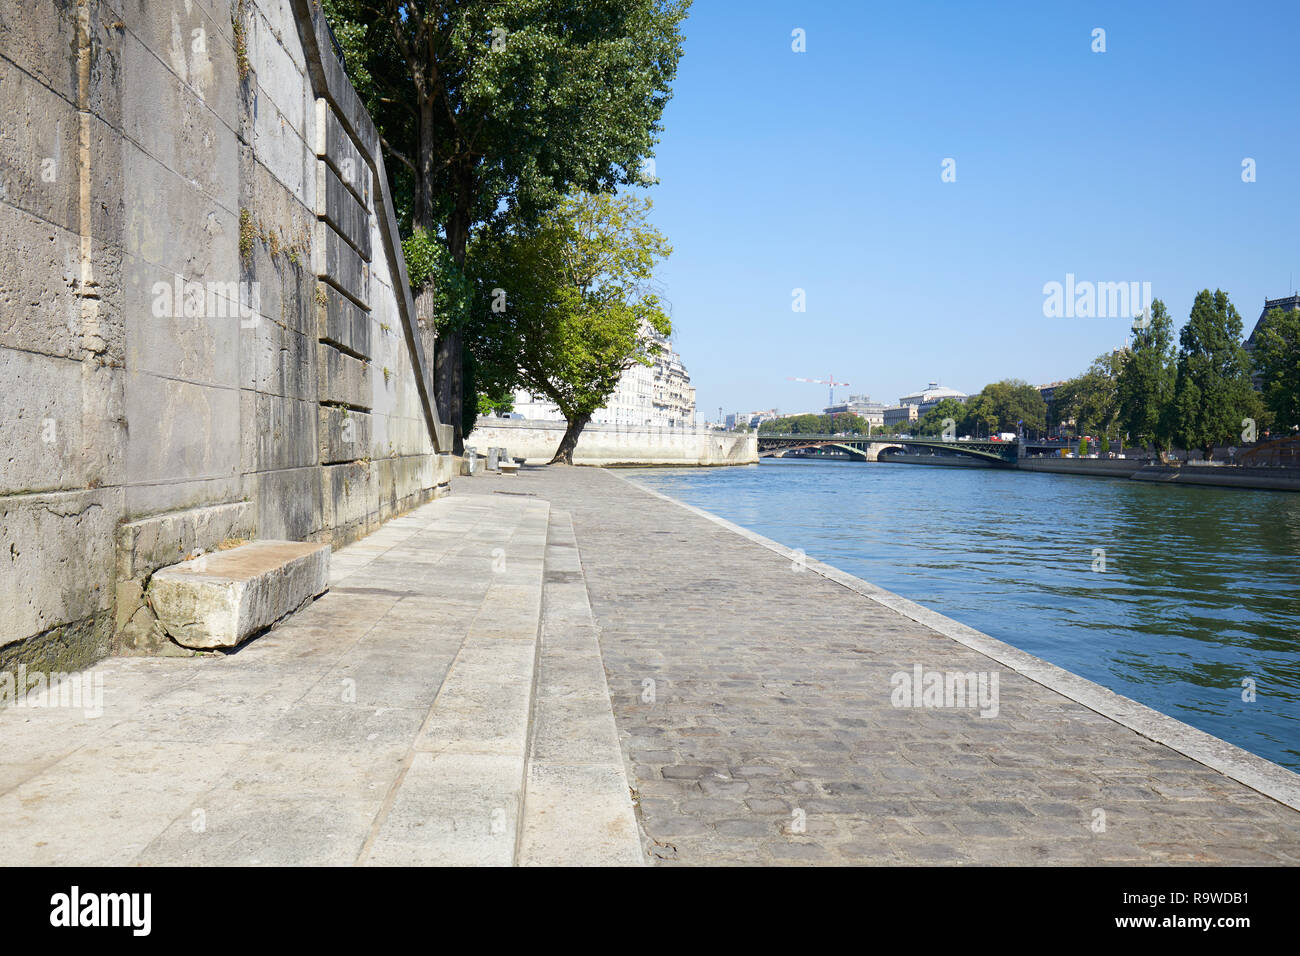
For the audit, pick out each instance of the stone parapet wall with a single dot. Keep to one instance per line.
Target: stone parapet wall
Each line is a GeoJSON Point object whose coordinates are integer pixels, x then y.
{"type": "Point", "coordinates": [206, 333]}
{"type": "Point", "coordinates": [616, 444]}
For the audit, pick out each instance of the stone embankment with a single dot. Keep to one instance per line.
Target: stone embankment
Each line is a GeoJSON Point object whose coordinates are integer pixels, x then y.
{"type": "Point", "coordinates": [617, 444]}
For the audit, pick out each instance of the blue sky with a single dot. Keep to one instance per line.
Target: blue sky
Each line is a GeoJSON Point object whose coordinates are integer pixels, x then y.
{"type": "Point", "coordinates": [821, 171]}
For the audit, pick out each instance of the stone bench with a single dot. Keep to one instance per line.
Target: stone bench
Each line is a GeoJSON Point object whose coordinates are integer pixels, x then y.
{"type": "Point", "coordinates": [508, 467]}
{"type": "Point", "coordinates": [224, 598]}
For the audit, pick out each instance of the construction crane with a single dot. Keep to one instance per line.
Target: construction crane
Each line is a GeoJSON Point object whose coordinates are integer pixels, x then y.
{"type": "Point", "coordinates": [829, 380]}
{"type": "Point", "coordinates": [823, 381]}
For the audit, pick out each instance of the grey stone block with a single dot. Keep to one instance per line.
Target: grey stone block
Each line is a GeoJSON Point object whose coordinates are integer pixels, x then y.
{"type": "Point", "coordinates": [344, 379]}
{"type": "Point", "coordinates": [341, 322]}
{"type": "Point", "coordinates": [222, 599]}
{"type": "Point", "coordinates": [335, 146]}
{"type": "Point", "coordinates": [338, 206]}
{"type": "Point", "coordinates": [338, 263]}
{"type": "Point", "coordinates": [343, 435]}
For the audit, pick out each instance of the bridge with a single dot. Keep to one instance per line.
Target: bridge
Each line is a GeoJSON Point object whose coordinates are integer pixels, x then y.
{"type": "Point", "coordinates": [864, 448]}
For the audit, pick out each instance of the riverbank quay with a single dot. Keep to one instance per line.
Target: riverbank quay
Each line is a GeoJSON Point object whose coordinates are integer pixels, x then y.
{"type": "Point", "coordinates": [442, 704]}
{"type": "Point", "coordinates": [616, 445]}
{"type": "Point", "coordinates": [755, 707]}
{"type": "Point", "coordinates": [558, 667]}
{"type": "Point", "coordinates": [1136, 469]}
{"type": "Point", "coordinates": [1187, 473]}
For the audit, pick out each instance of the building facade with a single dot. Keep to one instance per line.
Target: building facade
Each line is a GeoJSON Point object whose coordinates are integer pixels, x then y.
{"type": "Point", "coordinates": [930, 396]}
{"type": "Point", "coordinates": [1290, 303]}
{"type": "Point", "coordinates": [897, 414]}
{"type": "Point", "coordinates": [659, 395]}
{"type": "Point", "coordinates": [862, 406]}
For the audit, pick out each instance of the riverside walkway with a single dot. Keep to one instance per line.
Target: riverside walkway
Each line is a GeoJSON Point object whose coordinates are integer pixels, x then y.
{"type": "Point", "coordinates": [755, 717]}
{"type": "Point", "coordinates": [560, 667]}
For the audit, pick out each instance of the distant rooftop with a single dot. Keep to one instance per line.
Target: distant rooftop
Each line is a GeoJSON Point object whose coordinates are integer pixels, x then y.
{"type": "Point", "coordinates": [1289, 303]}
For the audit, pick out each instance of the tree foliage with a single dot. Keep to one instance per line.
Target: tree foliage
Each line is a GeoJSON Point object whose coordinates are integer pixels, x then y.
{"type": "Point", "coordinates": [1092, 399]}
{"type": "Point", "coordinates": [568, 306]}
{"type": "Point", "coordinates": [1277, 360]}
{"type": "Point", "coordinates": [843, 423]}
{"type": "Point", "coordinates": [1212, 389]}
{"type": "Point", "coordinates": [931, 423]}
{"type": "Point", "coordinates": [1011, 405]}
{"type": "Point", "coordinates": [1145, 384]}
{"type": "Point", "coordinates": [495, 109]}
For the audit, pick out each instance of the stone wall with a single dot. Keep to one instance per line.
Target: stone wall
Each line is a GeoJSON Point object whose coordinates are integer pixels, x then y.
{"type": "Point", "coordinates": [206, 333]}
{"type": "Point", "coordinates": [1192, 473]}
{"type": "Point", "coordinates": [616, 444]}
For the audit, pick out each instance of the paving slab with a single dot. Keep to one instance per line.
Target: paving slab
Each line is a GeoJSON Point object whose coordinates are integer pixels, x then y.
{"type": "Point", "coordinates": [578, 808]}
{"type": "Point", "coordinates": [300, 747]}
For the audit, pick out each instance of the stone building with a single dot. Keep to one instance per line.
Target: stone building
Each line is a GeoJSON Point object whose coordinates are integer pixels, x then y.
{"type": "Point", "coordinates": [1290, 303]}
{"type": "Point", "coordinates": [897, 414]}
{"type": "Point", "coordinates": [860, 405]}
{"type": "Point", "coordinates": [930, 396]}
{"type": "Point", "coordinates": [659, 395]}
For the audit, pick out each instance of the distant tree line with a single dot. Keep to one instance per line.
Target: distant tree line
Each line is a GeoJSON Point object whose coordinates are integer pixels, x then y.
{"type": "Point", "coordinates": [1200, 395]}
{"type": "Point", "coordinates": [1197, 396]}
{"type": "Point", "coordinates": [845, 423]}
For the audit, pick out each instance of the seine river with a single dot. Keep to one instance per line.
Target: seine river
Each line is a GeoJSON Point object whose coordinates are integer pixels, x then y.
{"type": "Point", "coordinates": [1201, 586]}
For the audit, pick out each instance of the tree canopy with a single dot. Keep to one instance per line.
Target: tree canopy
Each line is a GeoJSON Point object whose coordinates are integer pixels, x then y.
{"type": "Point", "coordinates": [1212, 389]}
{"type": "Point", "coordinates": [493, 109]}
{"type": "Point", "coordinates": [1144, 388]}
{"type": "Point", "coordinates": [568, 306]}
{"type": "Point", "coordinates": [1277, 361]}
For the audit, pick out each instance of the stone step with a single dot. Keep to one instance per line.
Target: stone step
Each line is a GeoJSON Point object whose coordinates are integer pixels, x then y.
{"type": "Point", "coordinates": [577, 806]}
{"type": "Point", "coordinates": [220, 600]}
{"type": "Point", "coordinates": [459, 800]}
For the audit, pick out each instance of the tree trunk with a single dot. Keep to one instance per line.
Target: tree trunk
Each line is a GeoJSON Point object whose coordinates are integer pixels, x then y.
{"type": "Point", "coordinates": [447, 384]}
{"type": "Point", "coordinates": [564, 454]}
{"type": "Point", "coordinates": [449, 368]}
{"type": "Point", "coordinates": [424, 319]}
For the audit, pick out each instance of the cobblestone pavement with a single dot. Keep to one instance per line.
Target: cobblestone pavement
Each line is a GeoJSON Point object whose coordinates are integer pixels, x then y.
{"type": "Point", "coordinates": [771, 738]}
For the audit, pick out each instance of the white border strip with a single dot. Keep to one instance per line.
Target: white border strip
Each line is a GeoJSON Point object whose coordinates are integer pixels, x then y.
{"type": "Point", "coordinates": [1270, 779]}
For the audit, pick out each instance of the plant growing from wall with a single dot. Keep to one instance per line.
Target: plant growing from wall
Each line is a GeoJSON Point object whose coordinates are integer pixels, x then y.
{"type": "Point", "coordinates": [247, 232]}
{"type": "Point", "coordinates": [241, 40]}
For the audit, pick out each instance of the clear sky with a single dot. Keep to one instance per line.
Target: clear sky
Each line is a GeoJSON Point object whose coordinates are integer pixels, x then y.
{"type": "Point", "coordinates": [822, 171]}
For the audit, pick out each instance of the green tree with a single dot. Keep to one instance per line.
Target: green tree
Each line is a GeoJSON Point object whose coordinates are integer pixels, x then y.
{"type": "Point", "coordinates": [1009, 405]}
{"type": "Point", "coordinates": [498, 108]}
{"type": "Point", "coordinates": [501, 403]}
{"type": "Point", "coordinates": [931, 423]}
{"type": "Point", "coordinates": [1277, 360]}
{"type": "Point", "coordinates": [1145, 384]}
{"type": "Point", "coordinates": [981, 417]}
{"type": "Point", "coordinates": [569, 305]}
{"type": "Point", "coordinates": [1092, 399]}
{"type": "Point", "coordinates": [1212, 390]}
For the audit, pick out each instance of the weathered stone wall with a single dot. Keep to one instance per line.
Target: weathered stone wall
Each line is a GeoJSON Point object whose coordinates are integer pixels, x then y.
{"type": "Point", "coordinates": [205, 329]}
{"type": "Point", "coordinates": [616, 444]}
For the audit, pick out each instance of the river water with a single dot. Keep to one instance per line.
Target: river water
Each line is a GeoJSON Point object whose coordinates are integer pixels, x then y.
{"type": "Point", "coordinates": [1200, 587]}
